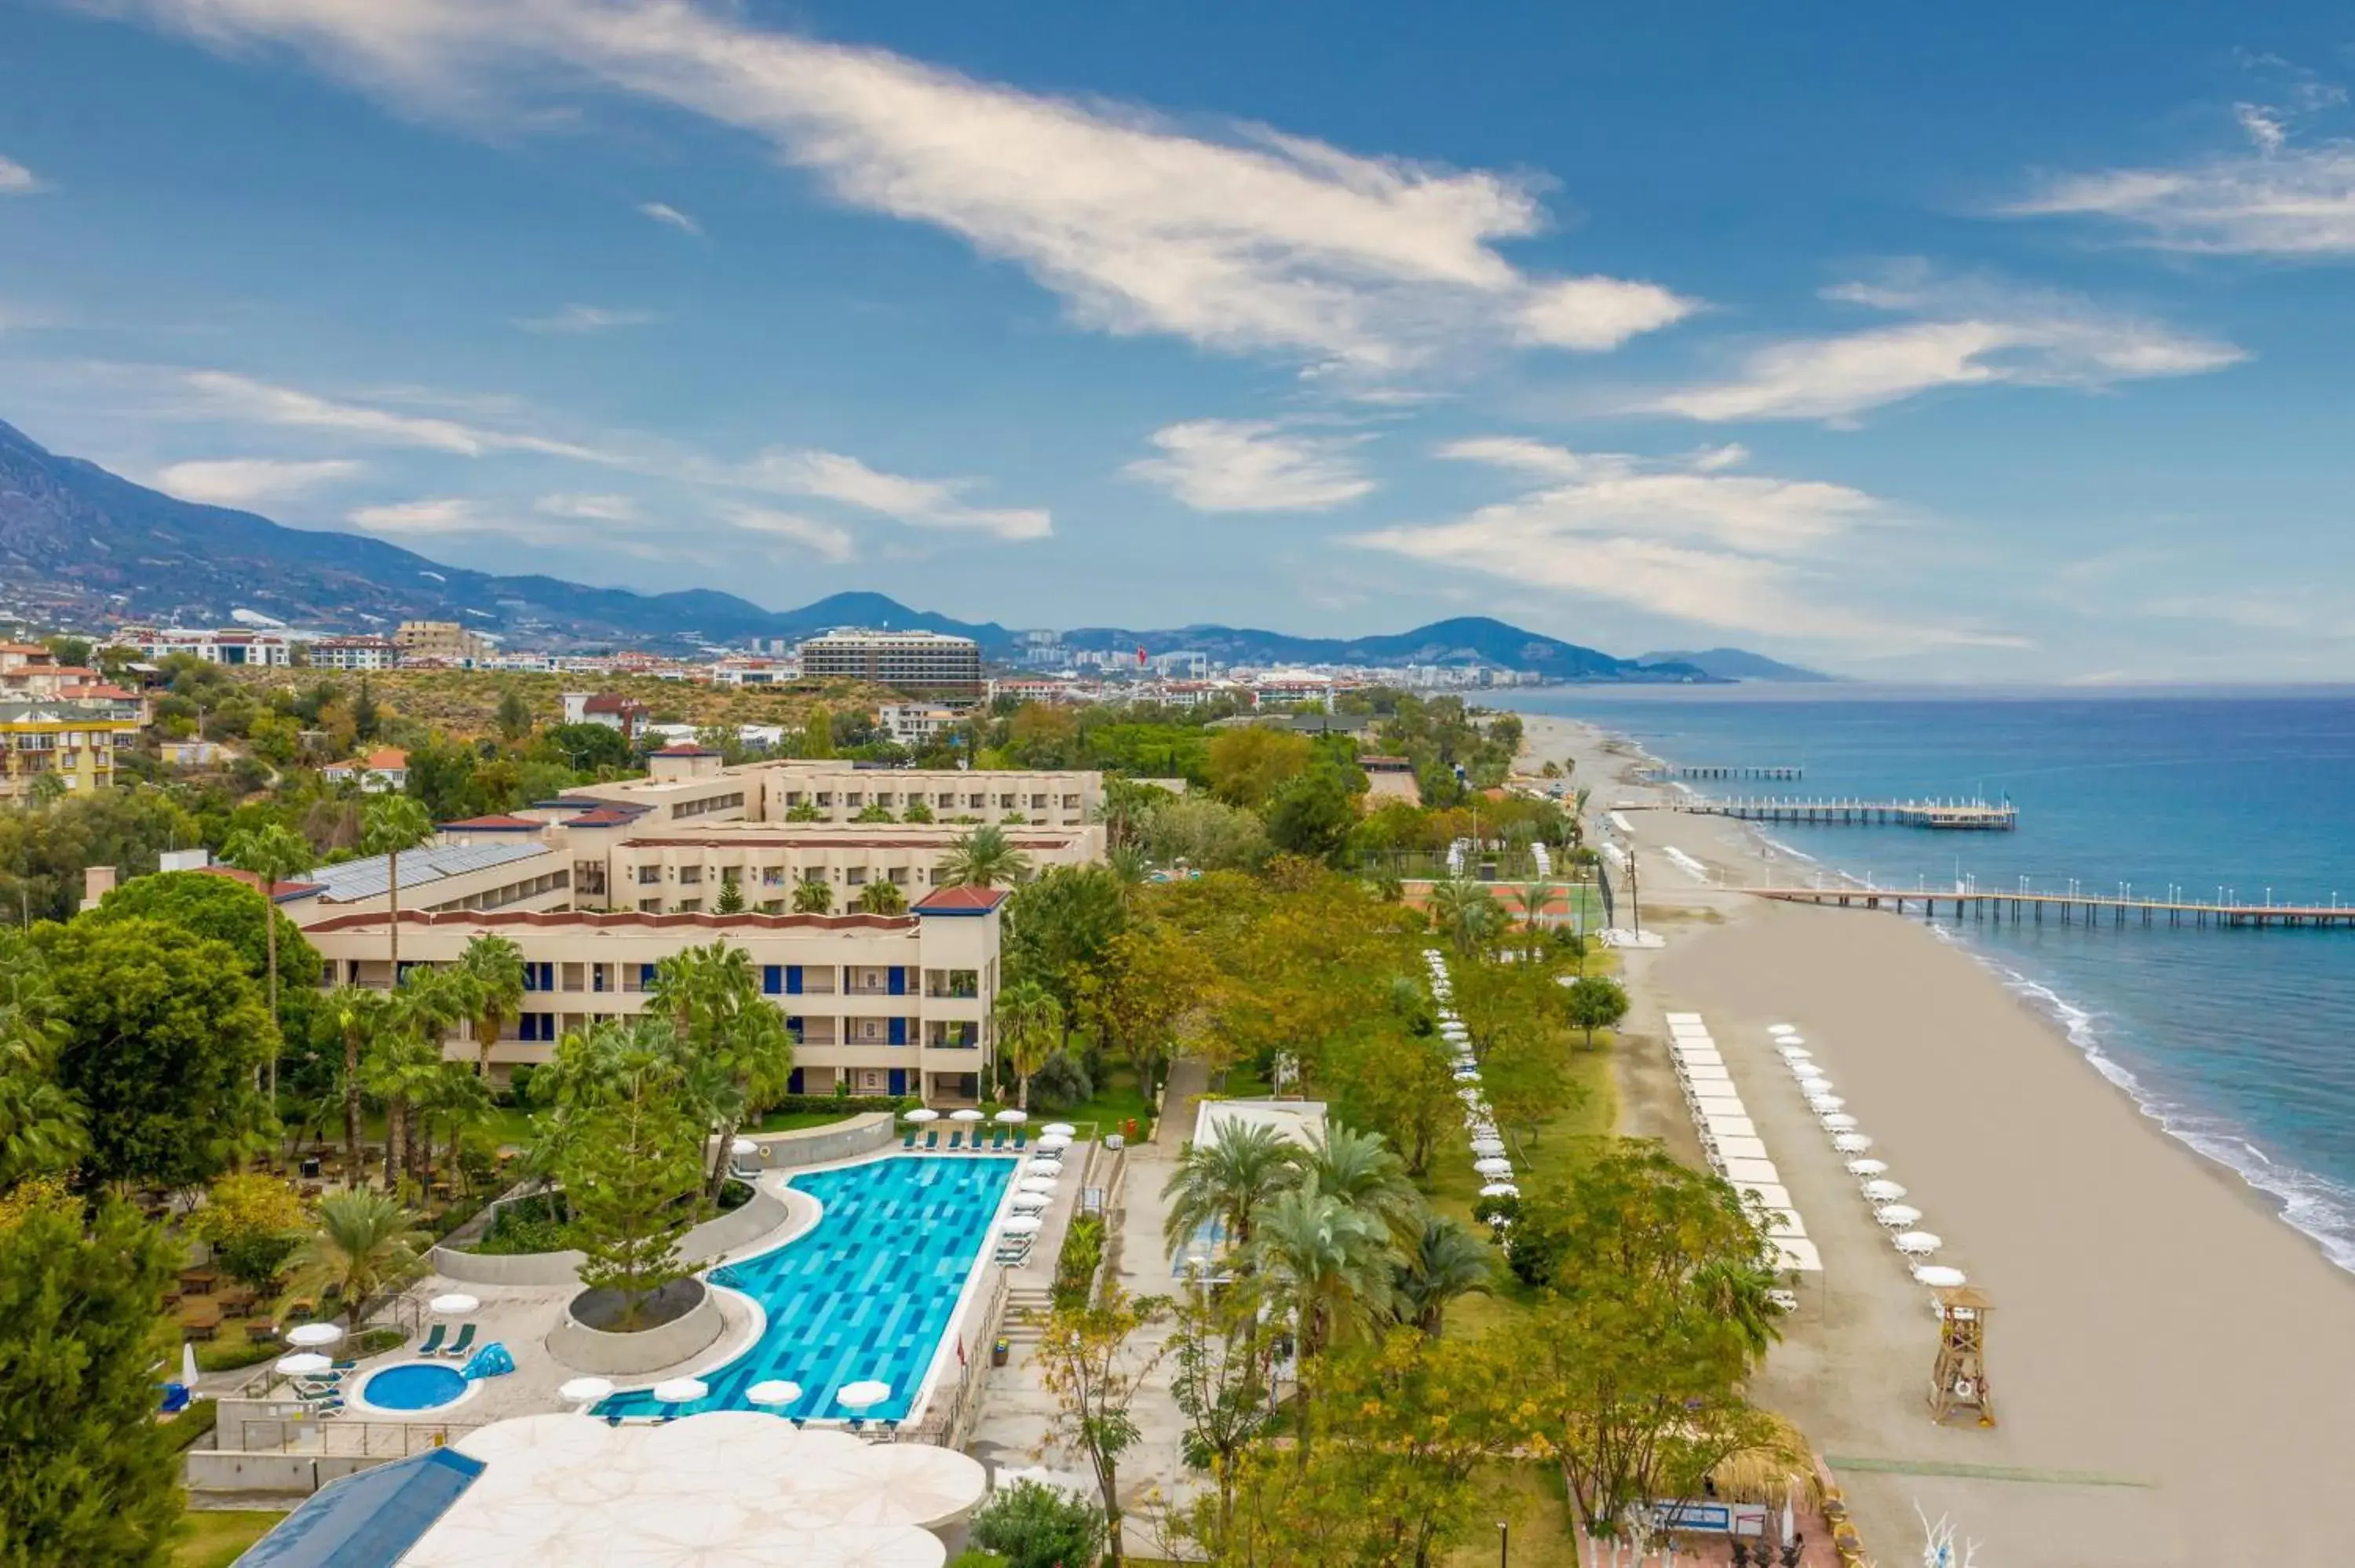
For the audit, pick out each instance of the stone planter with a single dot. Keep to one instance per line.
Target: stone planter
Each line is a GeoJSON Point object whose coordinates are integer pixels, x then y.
{"type": "Point", "coordinates": [584, 1348]}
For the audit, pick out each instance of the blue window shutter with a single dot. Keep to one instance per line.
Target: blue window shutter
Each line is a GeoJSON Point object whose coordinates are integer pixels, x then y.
{"type": "Point", "coordinates": [772, 979]}
{"type": "Point", "coordinates": [548, 976]}
{"type": "Point", "coordinates": [793, 1080]}
{"type": "Point", "coordinates": [898, 1032]}
{"type": "Point", "coordinates": [796, 1025]}
{"type": "Point", "coordinates": [898, 980]}
{"type": "Point", "coordinates": [646, 974]}
{"type": "Point", "coordinates": [899, 1080]}
{"type": "Point", "coordinates": [793, 980]}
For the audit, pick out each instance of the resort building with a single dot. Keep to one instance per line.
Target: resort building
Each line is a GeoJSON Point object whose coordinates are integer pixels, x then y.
{"type": "Point", "coordinates": [659, 871]}
{"type": "Point", "coordinates": [688, 782]}
{"type": "Point", "coordinates": [272, 650]}
{"type": "Point", "coordinates": [921, 664]}
{"type": "Point", "coordinates": [625, 714]}
{"type": "Point", "coordinates": [880, 1004]}
{"type": "Point", "coordinates": [443, 640]}
{"type": "Point", "coordinates": [355, 653]}
{"type": "Point", "coordinates": [72, 743]}
{"type": "Point", "coordinates": [914, 723]}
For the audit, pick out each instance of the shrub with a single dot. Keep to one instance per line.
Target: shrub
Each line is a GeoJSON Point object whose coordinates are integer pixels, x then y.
{"type": "Point", "coordinates": [1034, 1526]}
{"type": "Point", "coordinates": [1060, 1083]}
{"type": "Point", "coordinates": [1075, 1267]}
{"type": "Point", "coordinates": [973, 1557]}
{"type": "Point", "coordinates": [229, 1355]}
{"type": "Point", "coordinates": [536, 1223]}
{"type": "Point", "coordinates": [845, 1103]}
{"type": "Point", "coordinates": [186, 1430]}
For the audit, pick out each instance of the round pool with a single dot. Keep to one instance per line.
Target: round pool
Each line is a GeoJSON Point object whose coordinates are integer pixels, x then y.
{"type": "Point", "coordinates": [413, 1385]}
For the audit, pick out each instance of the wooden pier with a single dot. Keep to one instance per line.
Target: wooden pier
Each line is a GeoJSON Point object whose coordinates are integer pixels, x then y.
{"type": "Point", "coordinates": [1719, 770]}
{"type": "Point", "coordinates": [2069, 908]}
{"type": "Point", "coordinates": [1964, 816]}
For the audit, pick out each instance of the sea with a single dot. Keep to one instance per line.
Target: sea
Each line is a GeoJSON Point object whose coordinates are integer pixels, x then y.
{"type": "Point", "coordinates": [2240, 1043]}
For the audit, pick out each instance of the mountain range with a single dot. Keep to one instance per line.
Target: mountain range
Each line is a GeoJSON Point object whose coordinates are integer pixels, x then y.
{"type": "Point", "coordinates": [80, 545]}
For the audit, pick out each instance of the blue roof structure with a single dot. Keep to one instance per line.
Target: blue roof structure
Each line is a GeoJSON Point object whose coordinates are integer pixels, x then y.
{"type": "Point", "coordinates": [370, 1520]}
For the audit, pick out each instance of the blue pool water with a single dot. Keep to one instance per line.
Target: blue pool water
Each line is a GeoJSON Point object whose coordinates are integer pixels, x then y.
{"type": "Point", "coordinates": [417, 1385]}
{"type": "Point", "coordinates": [866, 1293]}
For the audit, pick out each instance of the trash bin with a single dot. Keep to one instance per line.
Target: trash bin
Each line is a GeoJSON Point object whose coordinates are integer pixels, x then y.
{"type": "Point", "coordinates": [311, 1168]}
{"type": "Point", "coordinates": [997, 1352]}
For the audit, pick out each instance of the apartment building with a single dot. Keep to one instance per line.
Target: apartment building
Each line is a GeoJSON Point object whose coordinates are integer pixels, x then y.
{"type": "Point", "coordinates": [73, 743]}
{"type": "Point", "coordinates": [921, 664]}
{"type": "Point", "coordinates": [271, 650]}
{"type": "Point", "coordinates": [443, 640]}
{"type": "Point", "coordinates": [659, 871]}
{"type": "Point", "coordinates": [625, 713]}
{"type": "Point", "coordinates": [384, 770]}
{"type": "Point", "coordinates": [355, 653]}
{"type": "Point", "coordinates": [915, 724]}
{"type": "Point", "coordinates": [688, 782]}
{"type": "Point", "coordinates": [878, 1004]}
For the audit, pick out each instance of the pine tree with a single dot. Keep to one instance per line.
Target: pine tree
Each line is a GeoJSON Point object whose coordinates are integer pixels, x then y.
{"type": "Point", "coordinates": [91, 1476]}
{"type": "Point", "coordinates": [631, 1190]}
{"type": "Point", "coordinates": [732, 897]}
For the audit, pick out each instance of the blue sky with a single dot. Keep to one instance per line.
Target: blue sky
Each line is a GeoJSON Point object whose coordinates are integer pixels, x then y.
{"type": "Point", "coordinates": [1996, 345]}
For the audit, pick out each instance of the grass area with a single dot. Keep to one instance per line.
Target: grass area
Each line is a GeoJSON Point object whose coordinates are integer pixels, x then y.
{"type": "Point", "coordinates": [794, 1120]}
{"type": "Point", "coordinates": [1537, 1506]}
{"type": "Point", "coordinates": [215, 1538]}
{"type": "Point", "coordinates": [1574, 1134]}
{"type": "Point", "coordinates": [1117, 1099]}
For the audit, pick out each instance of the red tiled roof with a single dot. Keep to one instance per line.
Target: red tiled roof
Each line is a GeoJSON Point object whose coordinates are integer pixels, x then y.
{"type": "Point", "coordinates": [686, 749]}
{"type": "Point", "coordinates": [618, 920]}
{"type": "Point", "coordinates": [501, 824]}
{"type": "Point", "coordinates": [960, 900]}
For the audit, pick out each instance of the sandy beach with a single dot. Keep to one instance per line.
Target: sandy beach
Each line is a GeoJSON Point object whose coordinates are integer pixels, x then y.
{"type": "Point", "coordinates": [2170, 1363]}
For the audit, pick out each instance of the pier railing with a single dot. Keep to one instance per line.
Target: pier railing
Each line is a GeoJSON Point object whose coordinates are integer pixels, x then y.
{"type": "Point", "coordinates": [2071, 908]}
{"type": "Point", "coordinates": [1670, 775]}
{"type": "Point", "coordinates": [1978, 816]}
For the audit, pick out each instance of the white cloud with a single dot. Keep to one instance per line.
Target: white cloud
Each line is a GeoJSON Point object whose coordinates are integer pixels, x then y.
{"type": "Point", "coordinates": [1243, 465]}
{"type": "Point", "coordinates": [1244, 239]}
{"type": "Point", "coordinates": [15, 179]}
{"type": "Point", "coordinates": [831, 543]}
{"type": "Point", "coordinates": [589, 508]}
{"type": "Point", "coordinates": [224, 394]}
{"type": "Point", "coordinates": [663, 212]}
{"type": "Point", "coordinates": [922, 502]}
{"type": "Point", "coordinates": [251, 482]}
{"type": "Point", "coordinates": [588, 319]}
{"type": "Point", "coordinates": [1968, 334]}
{"type": "Point", "coordinates": [437, 515]}
{"type": "Point", "coordinates": [1680, 537]}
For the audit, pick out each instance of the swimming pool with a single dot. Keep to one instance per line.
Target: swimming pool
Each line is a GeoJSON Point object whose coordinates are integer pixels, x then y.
{"type": "Point", "coordinates": [866, 1292]}
{"type": "Point", "coordinates": [413, 1385]}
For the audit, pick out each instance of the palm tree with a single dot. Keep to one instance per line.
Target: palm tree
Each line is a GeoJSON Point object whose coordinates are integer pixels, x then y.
{"type": "Point", "coordinates": [486, 989]}
{"type": "Point", "coordinates": [1227, 1180]}
{"type": "Point", "coordinates": [1359, 1169]}
{"type": "Point", "coordinates": [734, 1050]}
{"type": "Point", "coordinates": [1030, 1028]}
{"type": "Point", "coordinates": [364, 1241]}
{"type": "Point", "coordinates": [882, 899]}
{"type": "Point", "coordinates": [394, 824]}
{"type": "Point", "coordinates": [1743, 1297]}
{"type": "Point", "coordinates": [813, 896]}
{"type": "Point", "coordinates": [981, 857]}
{"type": "Point", "coordinates": [1324, 1265]}
{"type": "Point", "coordinates": [456, 1098]}
{"type": "Point", "coordinates": [1445, 1262]}
{"type": "Point", "coordinates": [1534, 899]}
{"type": "Point", "coordinates": [407, 1055]}
{"type": "Point", "coordinates": [358, 1014]}
{"type": "Point", "coordinates": [273, 854]}
{"type": "Point", "coordinates": [1466, 913]}
{"type": "Point", "coordinates": [40, 1122]}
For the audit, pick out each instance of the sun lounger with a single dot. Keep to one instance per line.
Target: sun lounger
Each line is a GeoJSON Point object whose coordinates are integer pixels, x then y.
{"type": "Point", "coordinates": [909, 1141]}
{"type": "Point", "coordinates": [457, 1349]}
{"type": "Point", "coordinates": [433, 1344]}
{"type": "Point", "coordinates": [1021, 1140]}
{"type": "Point", "coordinates": [997, 1141]}
{"type": "Point", "coordinates": [931, 1140]}
{"type": "Point", "coordinates": [956, 1140]}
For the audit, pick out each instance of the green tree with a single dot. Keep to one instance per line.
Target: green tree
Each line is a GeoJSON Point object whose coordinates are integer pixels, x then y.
{"type": "Point", "coordinates": [1029, 1525]}
{"type": "Point", "coordinates": [735, 1052]}
{"type": "Point", "coordinates": [164, 1035]}
{"type": "Point", "coordinates": [1059, 927]}
{"type": "Point", "coordinates": [1249, 764]}
{"type": "Point", "coordinates": [1400, 1085]}
{"type": "Point", "coordinates": [227, 910]}
{"type": "Point", "coordinates": [366, 717]}
{"type": "Point", "coordinates": [513, 717]}
{"type": "Point", "coordinates": [585, 748]}
{"type": "Point", "coordinates": [731, 896]}
{"type": "Point", "coordinates": [394, 824]}
{"type": "Point", "coordinates": [357, 1014]}
{"type": "Point", "coordinates": [1467, 915]}
{"type": "Point", "coordinates": [40, 1123]}
{"type": "Point", "coordinates": [91, 1476]}
{"type": "Point", "coordinates": [880, 897]}
{"type": "Point", "coordinates": [1361, 1171]}
{"type": "Point", "coordinates": [1324, 1265]}
{"type": "Point", "coordinates": [1091, 1363]}
{"type": "Point", "coordinates": [1155, 989]}
{"type": "Point", "coordinates": [983, 857]}
{"type": "Point", "coordinates": [253, 1222]}
{"type": "Point", "coordinates": [1445, 1263]}
{"type": "Point", "coordinates": [1225, 1182]}
{"type": "Point", "coordinates": [817, 734]}
{"type": "Point", "coordinates": [813, 896]}
{"type": "Point", "coordinates": [1526, 1080]}
{"type": "Point", "coordinates": [486, 989]}
{"type": "Point", "coordinates": [1311, 815]}
{"type": "Point", "coordinates": [272, 855]}
{"type": "Point", "coordinates": [874, 811]}
{"type": "Point", "coordinates": [360, 1242]}
{"type": "Point", "coordinates": [1595, 1003]}
{"type": "Point", "coordinates": [917, 811]}
{"type": "Point", "coordinates": [631, 1187]}
{"type": "Point", "coordinates": [1030, 1030]}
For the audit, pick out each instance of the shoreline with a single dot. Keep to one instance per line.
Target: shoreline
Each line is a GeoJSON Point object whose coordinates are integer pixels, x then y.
{"type": "Point", "coordinates": [2156, 1315]}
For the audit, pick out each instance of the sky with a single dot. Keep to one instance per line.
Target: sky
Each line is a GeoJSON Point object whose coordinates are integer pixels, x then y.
{"type": "Point", "coordinates": [1994, 343]}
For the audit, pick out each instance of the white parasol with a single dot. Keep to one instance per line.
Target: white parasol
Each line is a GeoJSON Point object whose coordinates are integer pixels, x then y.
{"type": "Point", "coordinates": [1493, 1167]}
{"type": "Point", "coordinates": [585, 1390]}
{"type": "Point", "coordinates": [1051, 1143]}
{"type": "Point", "coordinates": [188, 1364]}
{"type": "Point", "coordinates": [859, 1396]}
{"type": "Point", "coordinates": [1897, 1216]}
{"type": "Point", "coordinates": [1939, 1277]}
{"type": "Point", "coordinates": [1781, 1028]}
{"type": "Point", "coordinates": [681, 1389]}
{"type": "Point", "coordinates": [776, 1390]}
{"type": "Point", "coordinates": [1918, 1244]}
{"type": "Point", "coordinates": [1013, 1117]}
{"type": "Point", "coordinates": [1884, 1192]}
{"type": "Point", "coordinates": [1021, 1225]}
{"type": "Point", "coordinates": [457, 1304]}
{"type": "Point", "coordinates": [1807, 1072]}
{"type": "Point", "coordinates": [1825, 1102]}
{"type": "Point", "coordinates": [966, 1114]}
{"type": "Point", "coordinates": [1487, 1147]}
{"type": "Point", "coordinates": [301, 1363]}
{"type": "Point", "coordinates": [1867, 1167]}
{"type": "Point", "coordinates": [1839, 1121]}
{"type": "Point", "coordinates": [921, 1113]}
{"type": "Point", "coordinates": [311, 1336]}
{"type": "Point", "coordinates": [1037, 1182]}
{"type": "Point", "coordinates": [1500, 1189]}
{"type": "Point", "coordinates": [1028, 1202]}
{"type": "Point", "coordinates": [744, 1148]}
{"type": "Point", "coordinates": [1060, 1130]}
{"type": "Point", "coordinates": [1851, 1143]}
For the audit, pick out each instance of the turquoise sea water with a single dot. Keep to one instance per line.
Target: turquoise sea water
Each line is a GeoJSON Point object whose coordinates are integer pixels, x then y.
{"type": "Point", "coordinates": [866, 1294]}
{"type": "Point", "coordinates": [2242, 1042]}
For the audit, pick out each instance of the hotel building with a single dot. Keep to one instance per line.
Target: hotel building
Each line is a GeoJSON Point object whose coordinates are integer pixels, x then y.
{"type": "Point", "coordinates": [921, 664]}
{"type": "Point", "coordinates": [72, 742]}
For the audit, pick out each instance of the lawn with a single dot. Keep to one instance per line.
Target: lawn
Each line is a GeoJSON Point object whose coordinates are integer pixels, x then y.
{"type": "Point", "coordinates": [215, 1538]}
{"type": "Point", "coordinates": [1117, 1099]}
{"type": "Point", "coordinates": [1536, 1506]}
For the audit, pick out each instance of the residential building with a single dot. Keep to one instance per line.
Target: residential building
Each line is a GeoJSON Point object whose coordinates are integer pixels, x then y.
{"type": "Point", "coordinates": [625, 713]}
{"type": "Point", "coordinates": [380, 772]}
{"type": "Point", "coordinates": [921, 664]}
{"type": "Point", "coordinates": [1032, 689]}
{"type": "Point", "coordinates": [915, 724]}
{"type": "Point", "coordinates": [73, 743]}
{"type": "Point", "coordinates": [878, 1004]}
{"type": "Point", "coordinates": [443, 640]}
{"type": "Point", "coordinates": [355, 653]}
{"type": "Point", "coordinates": [273, 649]}
{"type": "Point", "coordinates": [755, 672]}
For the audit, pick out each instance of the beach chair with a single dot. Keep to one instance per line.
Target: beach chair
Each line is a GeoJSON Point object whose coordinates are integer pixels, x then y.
{"type": "Point", "coordinates": [931, 1140]}
{"type": "Point", "coordinates": [433, 1344]}
{"type": "Point", "coordinates": [956, 1140]}
{"type": "Point", "coordinates": [997, 1141]}
{"type": "Point", "coordinates": [1021, 1140]}
{"type": "Point", "coordinates": [457, 1349]}
{"type": "Point", "coordinates": [909, 1141]}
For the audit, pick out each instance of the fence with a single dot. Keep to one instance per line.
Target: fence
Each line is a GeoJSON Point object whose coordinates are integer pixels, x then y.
{"type": "Point", "coordinates": [950, 1414]}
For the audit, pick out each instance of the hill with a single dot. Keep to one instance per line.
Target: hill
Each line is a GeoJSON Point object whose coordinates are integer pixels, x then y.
{"type": "Point", "coordinates": [1464, 640]}
{"type": "Point", "coordinates": [1739, 665]}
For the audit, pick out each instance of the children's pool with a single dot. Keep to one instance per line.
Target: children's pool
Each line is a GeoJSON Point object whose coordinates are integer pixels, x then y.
{"type": "Point", "coordinates": [413, 1385]}
{"type": "Point", "coordinates": [865, 1294]}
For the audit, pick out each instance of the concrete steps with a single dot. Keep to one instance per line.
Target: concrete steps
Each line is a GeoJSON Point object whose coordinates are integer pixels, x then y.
{"type": "Point", "coordinates": [1027, 1309]}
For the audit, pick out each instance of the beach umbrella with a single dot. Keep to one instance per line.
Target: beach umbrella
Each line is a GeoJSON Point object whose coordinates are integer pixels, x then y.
{"type": "Point", "coordinates": [776, 1390]}
{"type": "Point", "coordinates": [1037, 1182]}
{"type": "Point", "coordinates": [1788, 1040]}
{"type": "Point", "coordinates": [455, 1304]}
{"type": "Point", "coordinates": [1897, 1216]}
{"type": "Point", "coordinates": [585, 1390]}
{"type": "Point", "coordinates": [1807, 1070]}
{"type": "Point", "coordinates": [1939, 1277]}
{"type": "Point", "coordinates": [681, 1389]}
{"type": "Point", "coordinates": [1825, 1102]}
{"type": "Point", "coordinates": [1013, 1117]}
{"type": "Point", "coordinates": [1851, 1143]}
{"type": "Point", "coordinates": [1052, 1143]}
{"type": "Point", "coordinates": [187, 1363]}
{"type": "Point", "coordinates": [1467, 1075]}
{"type": "Point", "coordinates": [968, 1114]}
{"type": "Point", "coordinates": [1781, 1028]}
{"type": "Point", "coordinates": [1867, 1167]}
{"type": "Point", "coordinates": [1798, 1053]}
{"type": "Point", "coordinates": [1047, 1164]}
{"type": "Point", "coordinates": [744, 1148]}
{"type": "Point", "coordinates": [1028, 1202]}
{"type": "Point", "coordinates": [1021, 1225]}
{"type": "Point", "coordinates": [1500, 1189]}
{"type": "Point", "coordinates": [1487, 1146]}
{"type": "Point", "coordinates": [1918, 1244]}
{"type": "Point", "coordinates": [301, 1363]}
{"type": "Point", "coordinates": [1838, 1121]}
{"type": "Point", "coordinates": [311, 1336]}
{"type": "Point", "coordinates": [855, 1397]}
{"type": "Point", "coordinates": [1884, 1192]}
{"type": "Point", "coordinates": [921, 1113]}
{"type": "Point", "coordinates": [1060, 1130]}
{"type": "Point", "coordinates": [1493, 1167]}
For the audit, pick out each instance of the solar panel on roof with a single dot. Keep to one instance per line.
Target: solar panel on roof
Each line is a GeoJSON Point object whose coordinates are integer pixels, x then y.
{"type": "Point", "coordinates": [372, 878]}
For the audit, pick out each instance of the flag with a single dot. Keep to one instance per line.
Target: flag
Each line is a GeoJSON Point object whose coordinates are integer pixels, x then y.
{"type": "Point", "coordinates": [959, 1349]}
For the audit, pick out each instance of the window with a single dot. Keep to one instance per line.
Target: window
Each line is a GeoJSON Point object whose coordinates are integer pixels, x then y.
{"type": "Point", "coordinates": [649, 905]}
{"type": "Point", "coordinates": [855, 877]}
{"type": "Point", "coordinates": [539, 977]}
{"type": "Point", "coordinates": [855, 797]}
{"type": "Point", "coordinates": [1070, 803]}
{"type": "Point", "coordinates": [947, 798]}
{"type": "Point", "coordinates": [1037, 802]}
{"type": "Point", "coordinates": [899, 875]}
{"type": "Point", "coordinates": [649, 875]}
{"type": "Point", "coordinates": [793, 798]}
{"type": "Point", "coordinates": [1006, 802]}
{"type": "Point", "coordinates": [826, 797]}
{"type": "Point", "coordinates": [688, 875]}
{"type": "Point", "coordinates": [976, 802]}
{"type": "Point", "coordinates": [690, 905]}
